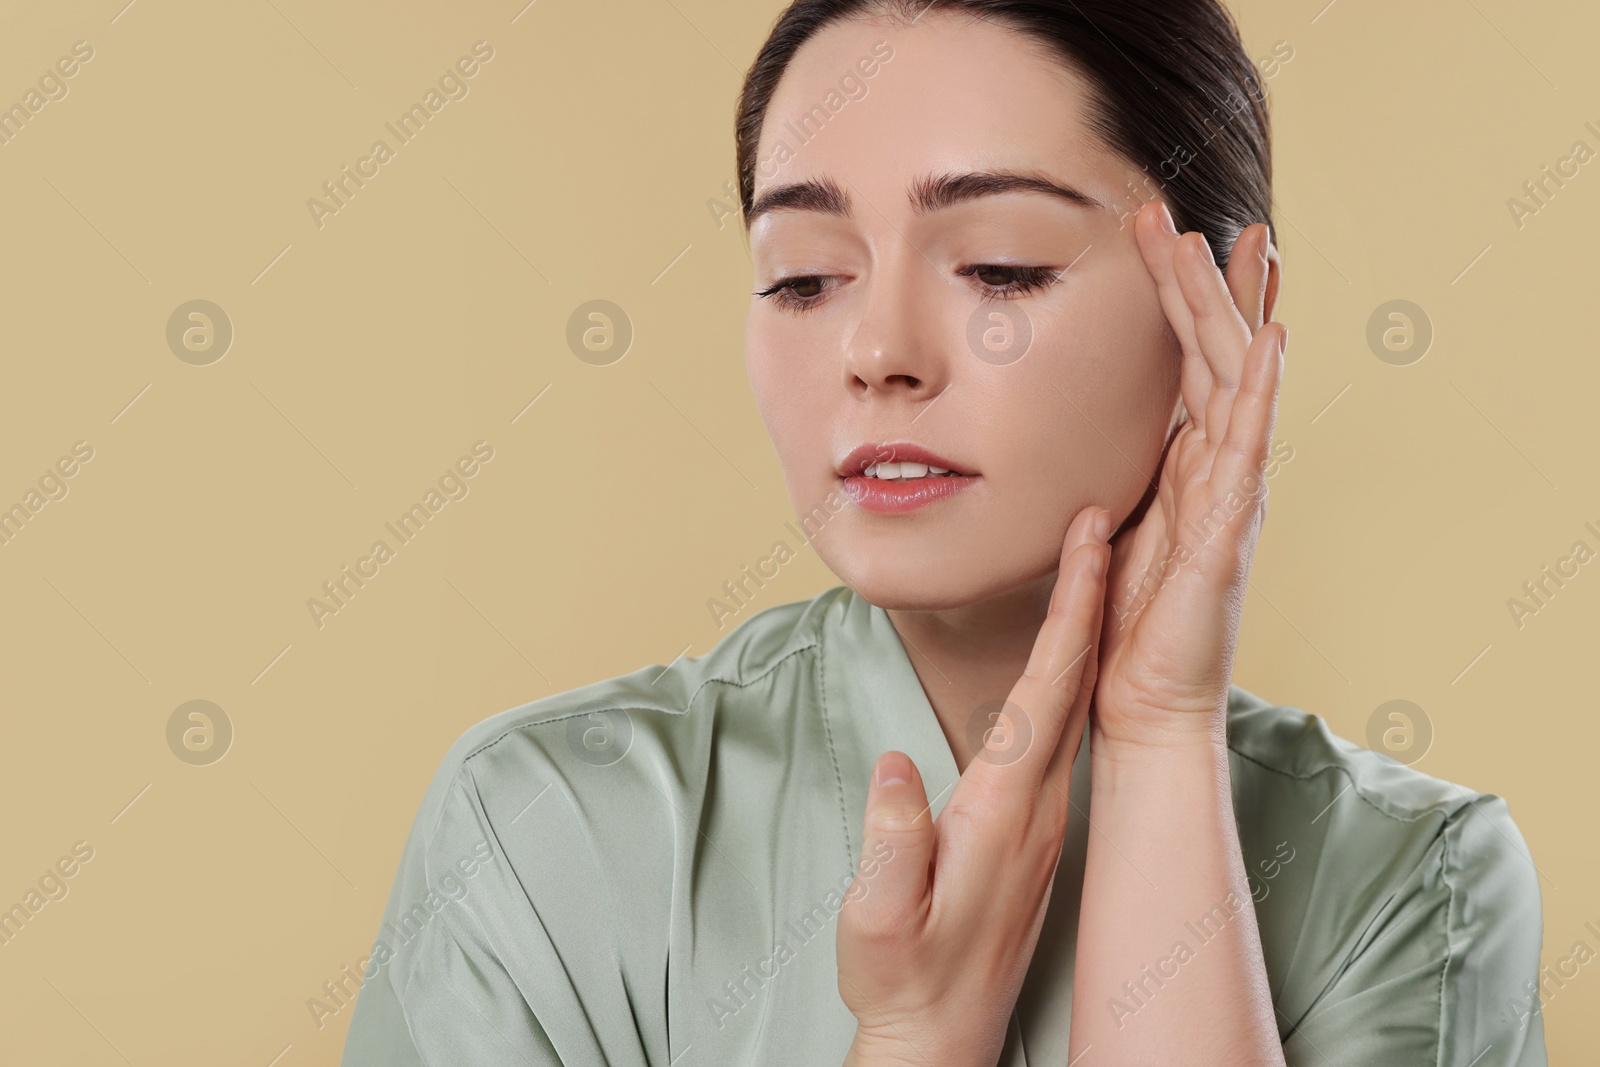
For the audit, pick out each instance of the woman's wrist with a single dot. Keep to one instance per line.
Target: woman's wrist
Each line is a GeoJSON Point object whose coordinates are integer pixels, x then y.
{"type": "Point", "coordinates": [1146, 736]}
{"type": "Point", "coordinates": [871, 1049]}
{"type": "Point", "coordinates": [1180, 775]}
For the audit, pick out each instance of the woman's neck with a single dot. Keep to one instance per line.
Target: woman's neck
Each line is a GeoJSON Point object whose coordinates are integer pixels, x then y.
{"type": "Point", "coordinates": [972, 656]}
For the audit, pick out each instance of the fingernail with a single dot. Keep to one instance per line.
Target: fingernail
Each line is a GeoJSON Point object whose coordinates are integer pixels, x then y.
{"type": "Point", "coordinates": [1102, 525]}
{"type": "Point", "coordinates": [1205, 250]}
{"type": "Point", "coordinates": [1166, 218]}
{"type": "Point", "coordinates": [1283, 340]}
{"type": "Point", "coordinates": [894, 769]}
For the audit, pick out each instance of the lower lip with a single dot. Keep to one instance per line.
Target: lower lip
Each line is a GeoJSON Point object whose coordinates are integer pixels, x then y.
{"type": "Point", "coordinates": [905, 495]}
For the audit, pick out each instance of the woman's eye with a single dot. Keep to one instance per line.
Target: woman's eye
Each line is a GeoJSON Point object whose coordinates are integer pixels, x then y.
{"type": "Point", "coordinates": [799, 293]}
{"type": "Point", "coordinates": [997, 281]}
{"type": "Point", "coordinates": [1005, 281]}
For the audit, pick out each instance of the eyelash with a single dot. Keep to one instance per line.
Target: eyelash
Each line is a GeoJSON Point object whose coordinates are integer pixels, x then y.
{"type": "Point", "coordinates": [1028, 280]}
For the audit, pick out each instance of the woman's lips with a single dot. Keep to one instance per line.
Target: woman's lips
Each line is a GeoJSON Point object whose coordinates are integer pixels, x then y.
{"type": "Point", "coordinates": [894, 495]}
{"type": "Point", "coordinates": [902, 495]}
{"type": "Point", "coordinates": [864, 457]}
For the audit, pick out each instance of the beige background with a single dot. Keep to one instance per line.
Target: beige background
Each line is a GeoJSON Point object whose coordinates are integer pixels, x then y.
{"type": "Point", "coordinates": [585, 163]}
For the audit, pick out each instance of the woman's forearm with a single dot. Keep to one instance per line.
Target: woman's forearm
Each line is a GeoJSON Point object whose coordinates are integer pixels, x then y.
{"type": "Point", "coordinates": [1169, 966]}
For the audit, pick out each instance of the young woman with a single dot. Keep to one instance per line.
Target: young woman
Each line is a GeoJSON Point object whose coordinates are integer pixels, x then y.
{"type": "Point", "coordinates": [1012, 340]}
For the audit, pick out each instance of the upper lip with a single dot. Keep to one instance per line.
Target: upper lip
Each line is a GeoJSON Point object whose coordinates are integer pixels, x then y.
{"type": "Point", "coordinates": [871, 453]}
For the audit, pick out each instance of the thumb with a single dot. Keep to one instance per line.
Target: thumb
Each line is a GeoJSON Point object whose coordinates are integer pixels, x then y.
{"type": "Point", "coordinates": [893, 878]}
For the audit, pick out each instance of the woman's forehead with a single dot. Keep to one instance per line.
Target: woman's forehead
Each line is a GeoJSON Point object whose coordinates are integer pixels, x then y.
{"type": "Point", "coordinates": [887, 103]}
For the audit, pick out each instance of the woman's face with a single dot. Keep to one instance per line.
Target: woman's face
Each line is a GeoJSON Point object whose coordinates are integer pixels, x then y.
{"type": "Point", "coordinates": [919, 326]}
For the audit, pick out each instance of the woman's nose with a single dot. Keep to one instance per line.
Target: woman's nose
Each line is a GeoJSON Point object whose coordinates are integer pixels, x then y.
{"type": "Point", "coordinates": [896, 348]}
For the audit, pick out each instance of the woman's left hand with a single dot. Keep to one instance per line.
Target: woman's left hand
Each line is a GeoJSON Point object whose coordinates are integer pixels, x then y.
{"type": "Point", "coordinates": [1177, 577]}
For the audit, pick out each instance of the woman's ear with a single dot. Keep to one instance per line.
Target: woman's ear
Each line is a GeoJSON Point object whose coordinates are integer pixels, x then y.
{"type": "Point", "coordinates": [1274, 280]}
{"type": "Point", "coordinates": [1254, 284]}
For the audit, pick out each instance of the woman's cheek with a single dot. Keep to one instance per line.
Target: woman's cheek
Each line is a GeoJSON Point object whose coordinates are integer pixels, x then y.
{"type": "Point", "coordinates": [765, 371]}
{"type": "Point", "coordinates": [798, 429]}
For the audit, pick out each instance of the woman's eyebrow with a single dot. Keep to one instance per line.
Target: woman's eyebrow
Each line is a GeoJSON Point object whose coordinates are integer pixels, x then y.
{"type": "Point", "coordinates": [927, 194]}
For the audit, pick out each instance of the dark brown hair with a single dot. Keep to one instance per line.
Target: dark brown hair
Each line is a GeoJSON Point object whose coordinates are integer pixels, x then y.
{"type": "Point", "coordinates": [1173, 92]}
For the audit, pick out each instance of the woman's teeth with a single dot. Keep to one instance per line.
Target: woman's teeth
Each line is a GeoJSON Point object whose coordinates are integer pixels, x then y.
{"type": "Point", "coordinates": [900, 471]}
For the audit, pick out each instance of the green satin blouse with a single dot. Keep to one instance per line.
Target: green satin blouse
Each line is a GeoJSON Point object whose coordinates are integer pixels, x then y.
{"type": "Point", "coordinates": [648, 870]}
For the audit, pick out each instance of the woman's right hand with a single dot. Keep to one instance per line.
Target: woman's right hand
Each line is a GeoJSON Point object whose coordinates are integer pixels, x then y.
{"type": "Point", "coordinates": [934, 944]}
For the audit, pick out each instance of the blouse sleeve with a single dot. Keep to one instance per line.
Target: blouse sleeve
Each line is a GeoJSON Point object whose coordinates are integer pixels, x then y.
{"type": "Point", "coordinates": [463, 970]}
{"type": "Point", "coordinates": [458, 1006]}
{"type": "Point", "coordinates": [1448, 973]}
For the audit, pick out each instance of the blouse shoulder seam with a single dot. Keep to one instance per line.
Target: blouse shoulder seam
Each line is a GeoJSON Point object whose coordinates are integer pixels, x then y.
{"type": "Point", "coordinates": [1417, 815]}
{"type": "Point", "coordinates": [623, 704]}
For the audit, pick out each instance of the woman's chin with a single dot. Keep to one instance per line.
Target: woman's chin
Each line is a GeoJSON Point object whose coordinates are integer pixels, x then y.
{"type": "Point", "coordinates": [904, 581]}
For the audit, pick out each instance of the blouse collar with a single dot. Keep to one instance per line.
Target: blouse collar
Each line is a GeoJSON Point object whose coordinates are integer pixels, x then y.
{"type": "Point", "coordinates": [876, 702]}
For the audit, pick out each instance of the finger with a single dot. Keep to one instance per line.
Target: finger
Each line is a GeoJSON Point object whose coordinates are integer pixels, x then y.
{"type": "Point", "coordinates": [1248, 437]}
{"type": "Point", "coordinates": [897, 846]}
{"type": "Point", "coordinates": [1158, 241]}
{"type": "Point", "coordinates": [1221, 330]}
{"type": "Point", "coordinates": [1080, 684]}
{"type": "Point", "coordinates": [1247, 274]}
{"type": "Point", "coordinates": [1046, 694]}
